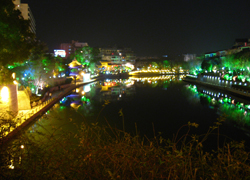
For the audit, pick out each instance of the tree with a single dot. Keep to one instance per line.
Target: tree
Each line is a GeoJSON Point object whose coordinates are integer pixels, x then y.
{"type": "Point", "coordinates": [16, 39]}
{"type": "Point", "coordinates": [84, 55]}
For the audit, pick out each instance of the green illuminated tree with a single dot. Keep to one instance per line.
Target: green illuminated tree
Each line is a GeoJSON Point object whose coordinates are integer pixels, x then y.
{"type": "Point", "coordinates": [166, 64]}
{"type": "Point", "coordinates": [87, 56]}
{"type": "Point", "coordinates": [84, 55]}
{"type": "Point", "coordinates": [16, 39]}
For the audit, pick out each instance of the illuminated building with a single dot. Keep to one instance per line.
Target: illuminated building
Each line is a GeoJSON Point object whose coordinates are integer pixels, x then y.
{"type": "Point", "coordinates": [70, 48]}
{"type": "Point", "coordinates": [116, 55]}
{"type": "Point", "coordinates": [113, 58]}
{"type": "Point", "coordinates": [26, 13]}
{"type": "Point", "coordinates": [59, 52]}
{"type": "Point", "coordinates": [75, 68]}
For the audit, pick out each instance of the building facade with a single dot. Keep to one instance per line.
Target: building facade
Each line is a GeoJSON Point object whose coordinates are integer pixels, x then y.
{"type": "Point", "coordinates": [70, 48]}
{"type": "Point", "coordinates": [26, 13]}
{"type": "Point", "coordinates": [117, 55]}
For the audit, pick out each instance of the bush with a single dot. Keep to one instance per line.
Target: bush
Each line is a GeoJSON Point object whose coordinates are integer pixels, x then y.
{"type": "Point", "coordinates": [108, 153]}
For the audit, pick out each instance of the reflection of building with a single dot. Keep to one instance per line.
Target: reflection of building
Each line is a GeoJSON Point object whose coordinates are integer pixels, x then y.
{"type": "Point", "coordinates": [26, 13]}
{"type": "Point", "coordinates": [114, 90]}
{"type": "Point", "coordinates": [70, 48]}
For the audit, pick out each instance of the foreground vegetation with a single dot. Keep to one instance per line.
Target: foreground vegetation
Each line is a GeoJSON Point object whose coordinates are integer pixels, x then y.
{"type": "Point", "coordinates": [106, 153]}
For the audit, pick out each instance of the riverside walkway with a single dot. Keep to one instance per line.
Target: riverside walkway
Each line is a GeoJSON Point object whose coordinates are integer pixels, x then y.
{"type": "Point", "coordinates": [26, 117]}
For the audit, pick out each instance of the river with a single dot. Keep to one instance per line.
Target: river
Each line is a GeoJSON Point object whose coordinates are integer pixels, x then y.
{"type": "Point", "coordinates": [147, 106]}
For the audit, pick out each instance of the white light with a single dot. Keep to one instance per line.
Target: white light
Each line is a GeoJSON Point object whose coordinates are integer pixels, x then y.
{"type": "Point", "coordinates": [5, 94]}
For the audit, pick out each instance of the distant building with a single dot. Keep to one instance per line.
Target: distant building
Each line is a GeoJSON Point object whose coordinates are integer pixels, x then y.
{"type": "Point", "coordinates": [112, 57]}
{"type": "Point", "coordinates": [189, 57]}
{"type": "Point", "coordinates": [70, 48]}
{"type": "Point", "coordinates": [117, 55]}
{"type": "Point", "coordinates": [241, 42]}
{"type": "Point", "coordinates": [239, 45]}
{"type": "Point", "coordinates": [26, 13]}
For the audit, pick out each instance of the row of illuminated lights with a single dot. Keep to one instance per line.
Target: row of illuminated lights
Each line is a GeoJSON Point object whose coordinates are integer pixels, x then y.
{"type": "Point", "coordinates": [153, 78]}
{"type": "Point", "coordinates": [59, 76]}
{"type": "Point", "coordinates": [226, 99]}
{"type": "Point", "coordinates": [194, 87]}
{"type": "Point", "coordinates": [230, 101]}
{"type": "Point", "coordinates": [218, 78]}
{"type": "Point", "coordinates": [152, 71]}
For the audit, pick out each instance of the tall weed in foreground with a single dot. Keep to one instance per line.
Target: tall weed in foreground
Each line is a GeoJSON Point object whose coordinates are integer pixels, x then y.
{"type": "Point", "coordinates": [110, 153]}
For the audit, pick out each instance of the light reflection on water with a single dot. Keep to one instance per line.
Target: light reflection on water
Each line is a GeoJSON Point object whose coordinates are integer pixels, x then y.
{"type": "Point", "coordinates": [154, 104]}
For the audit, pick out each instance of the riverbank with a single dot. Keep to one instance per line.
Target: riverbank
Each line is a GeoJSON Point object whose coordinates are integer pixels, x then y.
{"type": "Point", "coordinates": [96, 150]}
{"type": "Point", "coordinates": [237, 92]}
{"type": "Point", "coordinates": [25, 118]}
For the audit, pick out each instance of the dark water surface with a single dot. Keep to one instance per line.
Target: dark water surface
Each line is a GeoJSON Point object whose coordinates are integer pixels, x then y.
{"type": "Point", "coordinates": [152, 104]}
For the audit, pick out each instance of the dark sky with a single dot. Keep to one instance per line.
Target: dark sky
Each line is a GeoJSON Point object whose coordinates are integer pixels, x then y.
{"type": "Point", "coordinates": [150, 28]}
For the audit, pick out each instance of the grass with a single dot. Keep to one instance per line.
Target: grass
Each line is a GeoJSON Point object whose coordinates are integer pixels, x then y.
{"type": "Point", "coordinates": [109, 153]}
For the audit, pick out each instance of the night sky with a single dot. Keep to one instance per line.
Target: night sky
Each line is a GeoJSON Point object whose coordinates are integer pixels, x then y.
{"type": "Point", "coordinates": [150, 28]}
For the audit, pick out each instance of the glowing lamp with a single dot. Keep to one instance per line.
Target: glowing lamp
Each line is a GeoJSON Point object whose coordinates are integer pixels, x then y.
{"type": "Point", "coordinates": [5, 94]}
{"type": "Point", "coordinates": [14, 75]}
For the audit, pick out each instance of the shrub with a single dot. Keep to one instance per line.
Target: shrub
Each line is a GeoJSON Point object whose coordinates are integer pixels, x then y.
{"type": "Point", "coordinates": [109, 153]}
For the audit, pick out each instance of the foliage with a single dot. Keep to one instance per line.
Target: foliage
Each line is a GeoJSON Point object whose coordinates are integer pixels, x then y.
{"type": "Point", "coordinates": [16, 39]}
{"type": "Point", "coordinates": [211, 63]}
{"type": "Point", "coordinates": [39, 68]}
{"type": "Point", "coordinates": [5, 76]}
{"type": "Point", "coordinates": [108, 153]}
{"type": "Point", "coordinates": [238, 62]}
{"type": "Point", "coordinates": [84, 55]}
